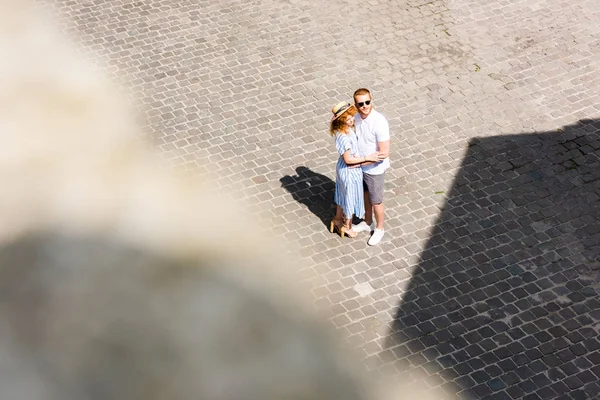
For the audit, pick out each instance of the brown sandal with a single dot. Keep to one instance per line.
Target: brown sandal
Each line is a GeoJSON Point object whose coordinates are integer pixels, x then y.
{"type": "Point", "coordinates": [350, 233]}
{"type": "Point", "coordinates": [334, 226]}
{"type": "Point", "coordinates": [339, 227]}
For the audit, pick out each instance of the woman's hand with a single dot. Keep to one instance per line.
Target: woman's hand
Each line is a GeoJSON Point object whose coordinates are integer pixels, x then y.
{"type": "Point", "coordinates": [373, 157]}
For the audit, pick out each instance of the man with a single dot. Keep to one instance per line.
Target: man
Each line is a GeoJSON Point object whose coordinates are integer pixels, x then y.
{"type": "Point", "coordinates": [373, 133]}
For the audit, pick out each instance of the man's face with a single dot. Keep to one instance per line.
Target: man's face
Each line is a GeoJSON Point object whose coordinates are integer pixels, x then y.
{"type": "Point", "coordinates": [364, 104]}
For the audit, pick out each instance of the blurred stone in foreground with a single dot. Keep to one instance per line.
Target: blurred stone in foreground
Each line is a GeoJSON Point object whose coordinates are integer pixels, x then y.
{"type": "Point", "coordinates": [119, 280]}
{"type": "Point", "coordinates": [87, 318]}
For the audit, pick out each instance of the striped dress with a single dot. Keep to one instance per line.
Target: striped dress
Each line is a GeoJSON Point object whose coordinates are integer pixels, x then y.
{"type": "Point", "coordinates": [348, 181]}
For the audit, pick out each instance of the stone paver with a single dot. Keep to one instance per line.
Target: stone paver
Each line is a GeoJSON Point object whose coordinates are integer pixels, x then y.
{"type": "Point", "coordinates": [487, 282]}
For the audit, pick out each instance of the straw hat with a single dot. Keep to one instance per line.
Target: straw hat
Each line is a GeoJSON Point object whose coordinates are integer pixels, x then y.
{"type": "Point", "coordinates": [340, 108]}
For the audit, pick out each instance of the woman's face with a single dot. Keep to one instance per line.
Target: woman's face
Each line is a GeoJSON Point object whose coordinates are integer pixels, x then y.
{"type": "Point", "coordinates": [350, 121]}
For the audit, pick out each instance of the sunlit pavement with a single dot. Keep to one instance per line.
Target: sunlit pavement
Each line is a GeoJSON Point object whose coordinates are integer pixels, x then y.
{"type": "Point", "coordinates": [488, 277]}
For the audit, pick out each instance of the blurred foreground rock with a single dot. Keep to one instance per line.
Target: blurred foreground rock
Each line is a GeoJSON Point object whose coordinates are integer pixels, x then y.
{"type": "Point", "coordinates": [119, 280]}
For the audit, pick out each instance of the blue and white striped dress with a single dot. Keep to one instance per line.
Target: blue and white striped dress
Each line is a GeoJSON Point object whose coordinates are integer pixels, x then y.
{"type": "Point", "coordinates": [348, 181]}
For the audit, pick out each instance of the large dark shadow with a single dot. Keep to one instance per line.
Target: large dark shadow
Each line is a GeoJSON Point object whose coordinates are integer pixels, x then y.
{"type": "Point", "coordinates": [314, 190]}
{"type": "Point", "coordinates": [504, 303]}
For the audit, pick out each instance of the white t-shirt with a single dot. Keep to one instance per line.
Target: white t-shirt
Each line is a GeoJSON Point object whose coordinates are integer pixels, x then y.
{"type": "Point", "coordinates": [370, 131]}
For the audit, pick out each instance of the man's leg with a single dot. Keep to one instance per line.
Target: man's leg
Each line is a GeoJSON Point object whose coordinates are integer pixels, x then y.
{"type": "Point", "coordinates": [376, 187]}
{"type": "Point", "coordinates": [378, 208]}
{"type": "Point", "coordinates": [368, 209]}
{"type": "Point", "coordinates": [365, 226]}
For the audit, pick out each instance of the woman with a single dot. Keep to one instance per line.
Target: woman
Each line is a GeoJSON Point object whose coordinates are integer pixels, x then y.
{"type": "Point", "coordinates": [349, 196]}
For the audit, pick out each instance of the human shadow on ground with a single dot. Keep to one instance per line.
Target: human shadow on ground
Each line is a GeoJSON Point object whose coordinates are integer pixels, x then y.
{"type": "Point", "coordinates": [504, 302]}
{"type": "Point", "coordinates": [314, 190]}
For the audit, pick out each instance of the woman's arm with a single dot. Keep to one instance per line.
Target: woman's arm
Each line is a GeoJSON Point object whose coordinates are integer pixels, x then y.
{"type": "Point", "coordinates": [349, 160]}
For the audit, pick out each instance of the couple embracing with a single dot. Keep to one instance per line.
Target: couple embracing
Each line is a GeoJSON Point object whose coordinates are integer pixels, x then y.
{"type": "Point", "coordinates": [362, 138]}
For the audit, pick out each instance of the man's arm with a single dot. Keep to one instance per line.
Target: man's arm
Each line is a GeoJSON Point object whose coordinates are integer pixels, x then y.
{"type": "Point", "coordinates": [383, 149]}
{"type": "Point", "coordinates": [381, 154]}
{"type": "Point", "coordinates": [382, 133]}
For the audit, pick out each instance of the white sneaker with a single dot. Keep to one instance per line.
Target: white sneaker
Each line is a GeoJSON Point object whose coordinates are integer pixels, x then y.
{"type": "Point", "coordinates": [363, 227]}
{"type": "Point", "coordinates": [376, 237]}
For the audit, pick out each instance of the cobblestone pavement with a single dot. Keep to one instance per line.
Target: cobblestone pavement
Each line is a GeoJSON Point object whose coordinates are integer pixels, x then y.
{"type": "Point", "coordinates": [487, 280]}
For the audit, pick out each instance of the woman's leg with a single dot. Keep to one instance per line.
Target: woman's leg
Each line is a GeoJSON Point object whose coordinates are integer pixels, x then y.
{"type": "Point", "coordinates": [338, 220]}
{"type": "Point", "coordinates": [339, 214]}
{"type": "Point", "coordinates": [348, 225]}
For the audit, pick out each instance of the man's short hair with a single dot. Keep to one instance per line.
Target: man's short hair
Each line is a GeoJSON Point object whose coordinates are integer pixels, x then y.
{"type": "Point", "coordinates": [361, 91]}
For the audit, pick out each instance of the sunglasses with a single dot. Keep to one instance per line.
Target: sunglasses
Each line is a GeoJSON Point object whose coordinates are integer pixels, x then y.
{"type": "Point", "coordinates": [362, 103]}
